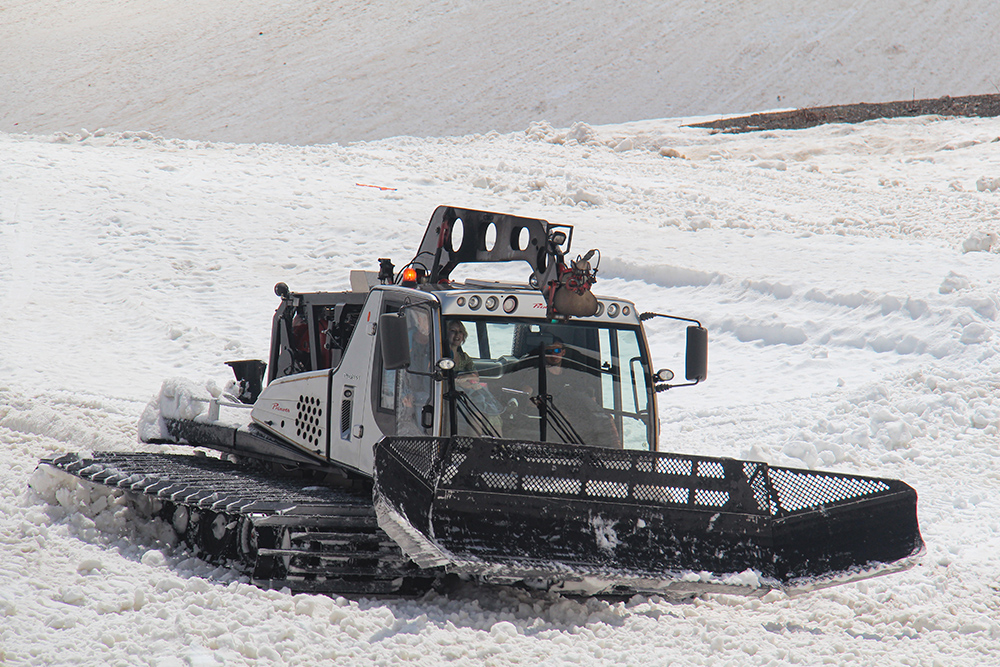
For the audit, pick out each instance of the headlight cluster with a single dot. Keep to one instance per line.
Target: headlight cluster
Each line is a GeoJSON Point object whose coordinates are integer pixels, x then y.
{"type": "Point", "coordinates": [510, 304]}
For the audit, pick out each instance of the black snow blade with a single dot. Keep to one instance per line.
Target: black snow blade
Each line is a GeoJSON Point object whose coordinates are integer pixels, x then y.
{"type": "Point", "coordinates": [605, 520]}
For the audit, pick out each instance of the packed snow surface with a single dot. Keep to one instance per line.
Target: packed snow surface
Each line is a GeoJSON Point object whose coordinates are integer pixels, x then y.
{"type": "Point", "coordinates": [847, 275]}
{"type": "Point", "coordinates": [314, 71]}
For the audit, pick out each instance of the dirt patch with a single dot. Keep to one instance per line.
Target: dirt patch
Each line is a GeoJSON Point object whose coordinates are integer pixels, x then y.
{"type": "Point", "coordinates": [974, 105]}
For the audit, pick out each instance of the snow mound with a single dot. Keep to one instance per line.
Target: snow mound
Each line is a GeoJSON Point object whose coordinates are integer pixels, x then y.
{"type": "Point", "coordinates": [178, 399]}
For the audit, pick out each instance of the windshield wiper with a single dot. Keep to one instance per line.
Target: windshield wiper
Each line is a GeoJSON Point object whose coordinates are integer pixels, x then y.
{"type": "Point", "coordinates": [472, 415]}
{"type": "Point", "coordinates": [543, 401]}
{"type": "Point", "coordinates": [560, 424]}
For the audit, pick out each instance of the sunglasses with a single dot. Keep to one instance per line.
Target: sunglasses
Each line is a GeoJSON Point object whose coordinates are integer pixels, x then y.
{"type": "Point", "coordinates": [555, 350]}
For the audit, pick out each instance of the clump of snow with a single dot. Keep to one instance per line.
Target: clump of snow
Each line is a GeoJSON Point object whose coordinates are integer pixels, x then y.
{"type": "Point", "coordinates": [666, 151]}
{"type": "Point", "coordinates": [954, 282]}
{"type": "Point", "coordinates": [767, 333]}
{"type": "Point", "coordinates": [178, 399]}
{"type": "Point", "coordinates": [154, 558]}
{"type": "Point", "coordinates": [976, 332]}
{"type": "Point", "coordinates": [579, 134]}
{"type": "Point", "coordinates": [585, 197]}
{"type": "Point", "coordinates": [748, 578]}
{"type": "Point", "coordinates": [503, 631]}
{"type": "Point", "coordinates": [987, 184]}
{"type": "Point", "coordinates": [777, 165]}
{"type": "Point", "coordinates": [605, 533]}
{"type": "Point", "coordinates": [97, 514]}
{"type": "Point", "coordinates": [979, 242]}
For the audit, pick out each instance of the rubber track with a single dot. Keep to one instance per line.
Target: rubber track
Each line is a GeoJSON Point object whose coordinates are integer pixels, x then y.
{"type": "Point", "coordinates": [309, 538]}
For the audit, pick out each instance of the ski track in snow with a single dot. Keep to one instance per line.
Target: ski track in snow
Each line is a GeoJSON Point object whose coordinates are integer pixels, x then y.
{"type": "Point", "coordinates": [849, 331]}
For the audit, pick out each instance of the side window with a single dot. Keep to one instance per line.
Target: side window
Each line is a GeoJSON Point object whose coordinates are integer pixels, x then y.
{"type": "Point", "coordinates": [624, 386]}
{"type": "Point", "coordinates": [500, 337]}
{"type": "Point", "coordinates": [633, 372]}
{"type": "Point", "coordinates": [384, 389]}
{"type": "Point", "coordinates": [387, 394]}
{"type": "Point", "coordinates": [414, 387]}
{"type": "Point", "coordinates": [633, 379]}
{"type": "Point", "coordinates": [403, 399]}
{"type": "Point", "coordinates": [418, 323]}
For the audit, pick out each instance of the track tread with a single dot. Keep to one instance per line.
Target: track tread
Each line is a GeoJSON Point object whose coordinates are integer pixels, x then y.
{"type": "Point", "coordinates": [333, 542]}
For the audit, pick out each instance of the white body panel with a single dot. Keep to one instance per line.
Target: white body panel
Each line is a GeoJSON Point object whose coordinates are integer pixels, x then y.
{"type": "Point", "coordinates": [352, 383]}
{"type": "Point", "coordinates": [297, 410]}
{"type": "Point", "coordinates": [329, 413]}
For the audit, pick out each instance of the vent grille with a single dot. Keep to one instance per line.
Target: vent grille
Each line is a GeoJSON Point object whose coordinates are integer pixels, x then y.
{"type": "Point", "coordinates": [309, 420]}
{"type": "Point", "coordinates": [345, 419]}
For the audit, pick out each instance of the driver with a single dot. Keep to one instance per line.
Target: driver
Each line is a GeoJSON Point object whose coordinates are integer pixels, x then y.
{"type": "Point", "coordinates": [577, 403]}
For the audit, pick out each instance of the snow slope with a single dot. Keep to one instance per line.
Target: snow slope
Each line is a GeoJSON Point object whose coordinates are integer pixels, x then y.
{"type": "Point", "coordinates": [303, 71]}
{"type": "Point", "coordinates": [849, 329]}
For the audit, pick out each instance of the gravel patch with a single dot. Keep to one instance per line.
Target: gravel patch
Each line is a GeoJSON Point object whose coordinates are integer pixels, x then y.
{"type": "Point", "coordinates": [973, 105]}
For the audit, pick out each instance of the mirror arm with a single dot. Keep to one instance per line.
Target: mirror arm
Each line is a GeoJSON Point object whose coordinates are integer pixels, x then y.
{"type": "Point", "coordinates": [690, 375]}
{"type": "Point", "coordinates": [663, 387]}
{"type": "Point", "coordinates": [648, 316]}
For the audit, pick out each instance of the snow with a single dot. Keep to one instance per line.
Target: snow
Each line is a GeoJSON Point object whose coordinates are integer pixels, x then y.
{"type": "Point", "coordinates": [847, 275]}
{"type": "Point", "coordinates": [303, 71]}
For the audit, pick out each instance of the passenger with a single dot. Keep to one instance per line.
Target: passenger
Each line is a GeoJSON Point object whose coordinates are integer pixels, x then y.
{"type": "Point", "coordinates": [467, 379]}
{"type": "Point", "coordinates": [457, 335]}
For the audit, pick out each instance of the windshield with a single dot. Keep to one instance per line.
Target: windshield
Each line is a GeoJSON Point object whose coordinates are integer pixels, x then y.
{"type": "Point", "coordinates": [577, 383]}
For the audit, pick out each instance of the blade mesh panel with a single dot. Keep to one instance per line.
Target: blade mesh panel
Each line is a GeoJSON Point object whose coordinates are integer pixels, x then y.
{"type": "Point", "coordinates": [798, 490]}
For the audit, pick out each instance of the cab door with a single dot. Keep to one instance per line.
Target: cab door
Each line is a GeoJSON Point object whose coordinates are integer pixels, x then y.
{"type": "Point", "coordinates": [401, 401]}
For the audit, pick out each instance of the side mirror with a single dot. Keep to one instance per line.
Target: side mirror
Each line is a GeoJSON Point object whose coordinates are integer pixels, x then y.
{"type": "Point", "coordinates": [696, 361]}
{"type": "Point", "coordinates": [394, 341]}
